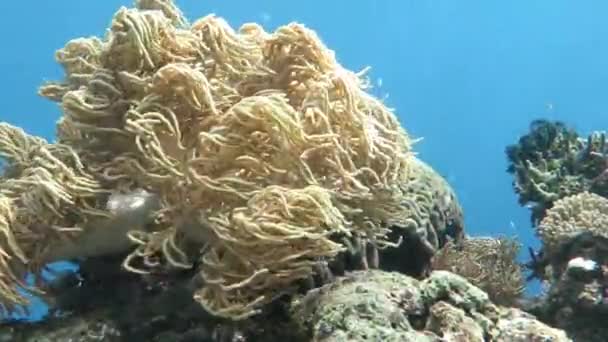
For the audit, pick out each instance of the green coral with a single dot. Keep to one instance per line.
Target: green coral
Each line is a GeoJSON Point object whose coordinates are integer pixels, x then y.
{"type": "Point", "coordinates": [552, 161]}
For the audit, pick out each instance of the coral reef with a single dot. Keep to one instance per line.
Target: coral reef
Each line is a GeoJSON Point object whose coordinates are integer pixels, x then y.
{"type": "Point", "coordinates": [376, 305]}
{"type": "Point", "coordinates": [104, 303]}
{"type": "Point", "coordinates": [552, 161]}
{"type": "Point", "coordinates": [488, 263]}
{"type": "Point", "coordinates": [434, 217]}
{"type": "Point", "coordinates": [260, 151]}
{"type": "Point", "coordinates": [361, 306]}
{"type": "Point", "coordinates": [575, 268]}
{"type": "Point", "coordinates": [572, 216]}
{"type": "Point", "coordinates": [562, 178]}
{"type": "Point", "coordinates": [242, 185]}
{"type": "Point", "coordinates": [52, 208]}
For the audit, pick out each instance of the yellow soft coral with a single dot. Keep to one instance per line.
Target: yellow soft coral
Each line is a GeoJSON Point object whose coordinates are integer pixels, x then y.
{"type": "Point", "coordinates": [46, 196]}
{"type": "Point", "coordinates": [261, 147]}
{"type": "Point", "coordinates": [277, 238]}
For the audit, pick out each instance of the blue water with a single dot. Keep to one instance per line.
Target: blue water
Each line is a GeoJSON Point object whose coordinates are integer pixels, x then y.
{"type": "Point", "coordinates": [468, 76]}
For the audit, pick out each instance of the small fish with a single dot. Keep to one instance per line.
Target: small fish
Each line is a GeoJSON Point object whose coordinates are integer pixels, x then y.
{"type": "Point", "coordinates": [583, 264]}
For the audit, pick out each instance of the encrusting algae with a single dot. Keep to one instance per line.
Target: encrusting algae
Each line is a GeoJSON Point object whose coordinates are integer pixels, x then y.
{"type": "Point", "coordinates": [254, 154]}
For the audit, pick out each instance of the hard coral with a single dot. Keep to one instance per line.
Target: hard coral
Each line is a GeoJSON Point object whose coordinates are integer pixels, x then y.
{"type": "Point", "coordinates": [382, 306]}
{"type": "Point", "coordinates": [260, 147]}
{"type": "Point", "coordinates": [552, 162]}
{"type": "Point", "coordinates": [575, 266]}
{"type": "Point", "coordinates": [543, 163]}
{"type": "Point", "coordinates": [434, 217]}
{"type": "Point", "coordinates": [573, 216]}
